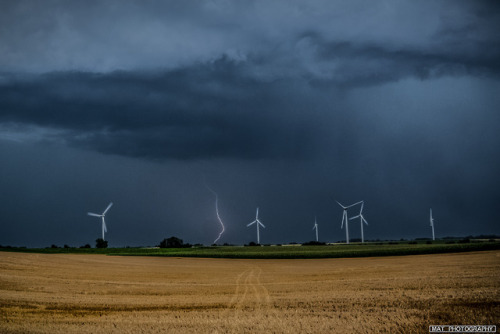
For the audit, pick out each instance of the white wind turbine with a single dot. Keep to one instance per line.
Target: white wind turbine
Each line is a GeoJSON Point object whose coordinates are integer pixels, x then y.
{"type": "Point", "coordinates": [104, 229]}
{"type": "Point", "coordinates": [432, 225]}
{"type": "Point", "coordinates": [344, 218]}
{"type": "Point", "coordinates": [316, 228]}
{"type": "Point", "coordinates": [257, 222]}
{"type": "Point", "coordinates": [361, 220]}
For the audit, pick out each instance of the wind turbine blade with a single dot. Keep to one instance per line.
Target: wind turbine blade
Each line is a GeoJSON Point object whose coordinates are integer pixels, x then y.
{"type": "Point", "coordinates": [109, 206]}
{"type": "Point", "coordinates": [252, 223]}
{"type": "Point", "coordinates": [93, 214]}
{"type": "Point", "coordinates": [261, 224]}
{"type": "Point", "coordinates": [343, 207]}
{"type": "Point", "coordinates": [349, 206]}
{"type": "Point", "coordinates": [104, 225]}
{"type": "Point", "coordinates": [354, 217]}
{"type": "Point", "coordinates": [363, 219]}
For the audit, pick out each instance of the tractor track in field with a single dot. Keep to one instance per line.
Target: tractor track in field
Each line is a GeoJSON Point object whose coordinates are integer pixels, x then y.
{"type": "Point", "coordinates": [251, 298]}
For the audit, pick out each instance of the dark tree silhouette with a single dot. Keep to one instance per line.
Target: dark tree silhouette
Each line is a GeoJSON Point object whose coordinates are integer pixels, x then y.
{"type": "Point", "coordinates": [173, 242]}
{"type": "Point", "coordinates": [101, 243]}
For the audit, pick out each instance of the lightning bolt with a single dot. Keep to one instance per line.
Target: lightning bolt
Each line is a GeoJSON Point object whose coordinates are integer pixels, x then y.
{"type": "Point", "coordinates": [217, 212]}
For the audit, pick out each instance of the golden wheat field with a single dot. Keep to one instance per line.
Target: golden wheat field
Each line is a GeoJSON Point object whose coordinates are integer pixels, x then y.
{"type": "Point", "coordinates": [42, 293]}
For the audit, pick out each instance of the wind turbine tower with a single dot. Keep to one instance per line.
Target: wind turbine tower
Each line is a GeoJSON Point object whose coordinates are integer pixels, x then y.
{"type": "Point", "coordinates": [432, 225]}
{"type": "Point", "coordinates": [257, 222]}
{"type": "Point", "coordinates": [361, 220]}
{"type": "Point", "coordinates": [316, 228]}
{"type": "Point", "coordinates": [104, 229]}
{"type": "Point", "coordinates": [344, 218]}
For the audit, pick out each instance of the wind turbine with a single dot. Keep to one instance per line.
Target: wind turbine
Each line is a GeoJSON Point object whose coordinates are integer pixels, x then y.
{"type": "Point", "coordinates": [344, 218]}
{"type": "Point", "coordinates": [104, 229]}
{"type": "Point", "coordinates": [316, 228]}
{"type": "Point", "coordinates": [257, 222]}
{"type": "Point", "coordinates": [432, 225]}
{"type": "Point", "coordinates": [361, 220]}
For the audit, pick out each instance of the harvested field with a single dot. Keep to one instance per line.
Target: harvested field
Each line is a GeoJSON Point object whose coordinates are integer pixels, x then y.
{"type": "Point", "coordinates": [68, 293]}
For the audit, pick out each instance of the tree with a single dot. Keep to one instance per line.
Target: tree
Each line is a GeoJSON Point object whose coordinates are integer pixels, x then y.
{"type": "Point", "coordinates": [101, 243]}
{"type": "Point", "coordinates": [172, 242]}
{"type": "Point", "coordinates": [313, 243]}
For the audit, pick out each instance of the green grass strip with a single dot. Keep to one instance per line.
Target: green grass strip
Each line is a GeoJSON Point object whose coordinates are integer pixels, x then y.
{"type": "Point", "coordinates": [280, 252]}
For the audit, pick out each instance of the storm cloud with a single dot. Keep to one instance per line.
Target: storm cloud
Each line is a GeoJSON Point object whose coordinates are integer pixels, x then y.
{"type": "Point", "coordinates": [209, 111]}
{"type": "Point", "coordinates": [214, 109]}
{"type": "Point", "coordinates": [296, 103]}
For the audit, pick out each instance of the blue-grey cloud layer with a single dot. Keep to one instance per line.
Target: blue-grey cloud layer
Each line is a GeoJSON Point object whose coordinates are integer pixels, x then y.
{"type": "Point", "coordinates": [222, 108]}
{"type": "Point", "coordinates": [282, 104]}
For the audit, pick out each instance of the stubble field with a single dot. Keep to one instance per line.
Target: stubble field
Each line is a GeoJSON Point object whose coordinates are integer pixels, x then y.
{"type": "Point", "coordinates": [68, 293]}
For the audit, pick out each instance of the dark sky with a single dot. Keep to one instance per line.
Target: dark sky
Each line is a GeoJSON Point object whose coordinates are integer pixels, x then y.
{"type": "Point", "coordinates": [283, 105]}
